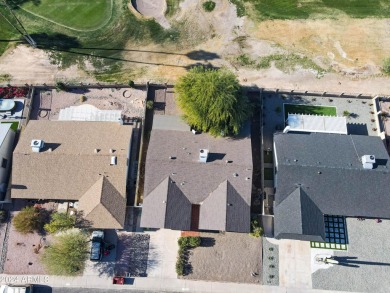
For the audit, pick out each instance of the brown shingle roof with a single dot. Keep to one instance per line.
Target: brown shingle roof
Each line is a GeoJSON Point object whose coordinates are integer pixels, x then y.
{"type": "Point", "coordinates": [72, 167]}
{"type": "Point", "coordinates": [103, 205]}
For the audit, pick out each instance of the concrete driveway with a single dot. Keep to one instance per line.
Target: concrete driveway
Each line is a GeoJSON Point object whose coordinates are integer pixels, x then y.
{"type": "Point", "coordinates": [163, 249]}
{"type": "Point", "coordinates": [294, 264]}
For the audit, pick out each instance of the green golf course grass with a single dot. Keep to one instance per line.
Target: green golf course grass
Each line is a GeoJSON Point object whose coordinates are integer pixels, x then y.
{"type": "Point", "coordinates": [306, 109]}
{"type": "Point", "coordinates": [79, 15]}
{"type": "Point", "coordinates": [302, 9]}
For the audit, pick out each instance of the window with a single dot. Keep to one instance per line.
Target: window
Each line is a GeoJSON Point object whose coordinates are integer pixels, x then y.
{"type": "Point", "coordinates": [4, 163]}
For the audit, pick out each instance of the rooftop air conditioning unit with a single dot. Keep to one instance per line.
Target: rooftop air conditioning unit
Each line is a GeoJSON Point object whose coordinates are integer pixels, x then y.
{"type": "Point", "coordinates": [37, 145]}
{"type": "Point", "coordinates": [203, 155]}
{"type": "Point", "coordinates": [368, 161]}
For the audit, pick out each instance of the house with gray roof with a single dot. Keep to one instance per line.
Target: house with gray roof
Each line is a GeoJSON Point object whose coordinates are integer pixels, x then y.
{"type": "Point", "coordinates": [195, 181]}
{"type": "Point", "coordinates": [318, 174]}
{"type": "Point", "coordinates": [85, 163]}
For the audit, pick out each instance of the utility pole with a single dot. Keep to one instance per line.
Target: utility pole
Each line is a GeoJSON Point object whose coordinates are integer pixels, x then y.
{"type": "Point", "coordinates": [23, 31]}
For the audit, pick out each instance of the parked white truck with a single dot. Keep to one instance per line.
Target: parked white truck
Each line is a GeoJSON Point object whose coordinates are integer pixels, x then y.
{"type": "Point", "coordinates": [16, 289]}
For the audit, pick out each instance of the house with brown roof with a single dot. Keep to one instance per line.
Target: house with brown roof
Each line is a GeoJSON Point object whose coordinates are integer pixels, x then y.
{"type": "Point", "coordinates": [81, 162]}
{"type": "Point", "coordinates": [194, 181]}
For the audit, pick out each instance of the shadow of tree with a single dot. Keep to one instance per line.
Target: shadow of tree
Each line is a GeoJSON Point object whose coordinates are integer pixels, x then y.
{"type": "Point", "coordinates": [202, 55]}
{"type": "Point", "coordinates": [133, 255]}
{"type": "Point", "coordinates": [15, 3]}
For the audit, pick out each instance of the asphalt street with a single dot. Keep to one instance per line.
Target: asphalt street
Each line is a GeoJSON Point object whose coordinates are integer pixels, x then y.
{"type": "Point", "coordinates": [48, 289]}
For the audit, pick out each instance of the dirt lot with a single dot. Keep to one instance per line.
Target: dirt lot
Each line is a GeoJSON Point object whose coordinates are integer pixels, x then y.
{"type": "Point", "coordinates": [48, 103]}
{"type": "Point", "coordinates": [353, 49]}
{"type": "Point", "coordinates": [229, 257]}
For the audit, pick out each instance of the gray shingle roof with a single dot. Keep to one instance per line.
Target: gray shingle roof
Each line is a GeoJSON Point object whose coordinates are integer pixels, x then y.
{"type": "Point", "coordinates": [197, 181]}
{"type": "Point", "coordinates": [327, 168]}
{"type": "Point", "coordinates": [297, 214]}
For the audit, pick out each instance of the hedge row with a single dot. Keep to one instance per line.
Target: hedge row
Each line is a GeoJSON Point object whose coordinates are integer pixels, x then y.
{"type": "Point", "coordinates": [185, 243]}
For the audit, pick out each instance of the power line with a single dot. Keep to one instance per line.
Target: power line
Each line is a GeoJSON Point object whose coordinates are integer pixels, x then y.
{"type": "Point", "coordinates": [24, 32]}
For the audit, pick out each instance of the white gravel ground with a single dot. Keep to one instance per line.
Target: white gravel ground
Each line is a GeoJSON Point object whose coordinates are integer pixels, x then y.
{"type": "Point", "coordinates": [366, 265]}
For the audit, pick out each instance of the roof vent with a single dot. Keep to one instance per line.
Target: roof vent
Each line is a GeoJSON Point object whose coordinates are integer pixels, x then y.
{"type": "Point", "coordinates": [368, 161]}
{"type": "Point", "coordinates": [113, 160]}
{"type": "Point", "coordinates": [96, 151]}
{"type": "Point", "coordinates": [229, 161]}
{"type": "Point", "coordinates": [37, 145]}
{"type": "Point", "coordinates": [203, 155]}
{"type": "Point", "coordinates": [235, 175]}
{"type": "Point", "coordinates": [247, 178]}
{"type": "Point", "coordinates": [172, 157]}
{"type": "Point", "coordinates": [112, 151]}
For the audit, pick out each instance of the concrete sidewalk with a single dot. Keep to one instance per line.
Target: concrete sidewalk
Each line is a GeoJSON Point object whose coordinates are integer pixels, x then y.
{"type": "Point", "coordinates": [156, 284]}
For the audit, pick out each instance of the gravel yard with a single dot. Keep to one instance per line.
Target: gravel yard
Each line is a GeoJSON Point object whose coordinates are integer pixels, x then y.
{"type": "Point", "coordinates": [365, 266]}
{"type": "Point", "coordinates": [229, 257]}
{"type": "Point", "coordinates": [21, 258]}
{"type": "Point", "coordinates": [360, 121]}
{"type": "Point", "coordinates": [132, 254]}
{"type": "Point", "coordinates": [48, 103]}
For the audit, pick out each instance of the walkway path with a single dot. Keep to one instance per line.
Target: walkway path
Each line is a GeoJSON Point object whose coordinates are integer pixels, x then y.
{"type": "Point", "coordinates": [157, 284]}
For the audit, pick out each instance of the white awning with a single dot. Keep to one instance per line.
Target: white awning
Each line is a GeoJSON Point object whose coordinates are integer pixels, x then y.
{"type": "Point", "coordinates": [317, 123]}
{"type": "Point", "coordinates": [89, 113]}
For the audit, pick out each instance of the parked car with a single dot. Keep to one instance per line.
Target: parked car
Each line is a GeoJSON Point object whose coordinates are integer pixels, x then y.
{"type": "Point", "coordinates": [97, 245]}
{"type": "Point", "coordinates": [16, 288]}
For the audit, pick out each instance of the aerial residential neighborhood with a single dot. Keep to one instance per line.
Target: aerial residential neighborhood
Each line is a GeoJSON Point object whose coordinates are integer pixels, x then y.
{"type": "Point", "coordinates": [194, 146]}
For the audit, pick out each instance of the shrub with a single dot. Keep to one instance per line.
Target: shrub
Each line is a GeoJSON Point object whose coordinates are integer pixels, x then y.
{"type": "Point", "coordinates": [185, 243]}
{"type": "Point", "coordinates": [13, 92]}
{"type": "Point", "coordinates": [180, 266]}
{"type": "Point", "coordinates": [28, 220]}
{"type": "Point", "coordinates": [67, 255]}
{"type": "Point", "coordinates": [60, 222]}
{"type": "Point", "coordinates": [386, 65]}
{"type": "Point", "coordinates": [256, 229]}
{"type": "Point", "coordinates": [83, 99]}
{"type": "Point", "coordinates": [189, 242]}
{"type": "Point", "coordinates": [149, 105]}
{"type": "Point", "coordinates": [346, 113]}
{"type": "Point", "coordinates": [3, 216]}
{"type": "Point", "coordinates": [60, 86]}
{"type": "Point", "coordinates": [208, 6]}
{"type": "Point", "coordinates": [131, 83]}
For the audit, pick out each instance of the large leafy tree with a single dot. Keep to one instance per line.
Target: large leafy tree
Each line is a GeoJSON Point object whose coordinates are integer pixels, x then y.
{"type": "Point", "coordinates": [212, 101]}
{"type": "Point", "coordinates": [67, 254]}
{"type": "Point", "coordinates": [60, 222]}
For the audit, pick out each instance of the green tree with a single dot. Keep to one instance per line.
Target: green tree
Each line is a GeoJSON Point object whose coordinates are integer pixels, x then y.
{"type": "Point", "coordinates": [208, 6]}
{"type": "Point", "coordinates": [60, 222]}
{"type": "Point", "coordinates": [28, 220]}
{"type": "Point", "coordinates": [256, 229]}
{"type": "Point", "coordinates": [212, 101]}
{"type": "Point", "coordinates": [68, 253]}
{"type": "Point", "coordinates": [386, 65]}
